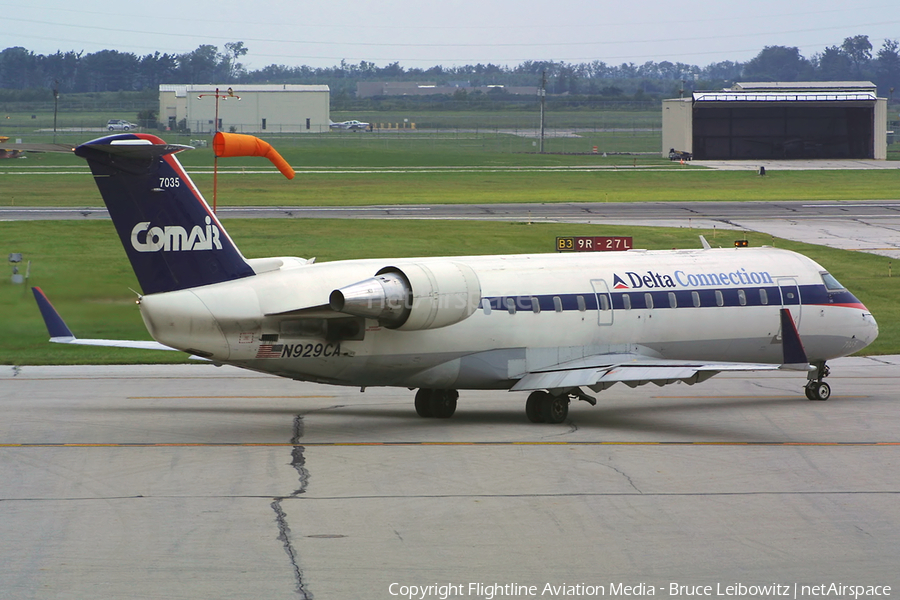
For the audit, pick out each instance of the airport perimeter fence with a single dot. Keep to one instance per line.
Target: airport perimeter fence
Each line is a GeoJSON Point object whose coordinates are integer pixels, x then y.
{"type": "Point", "coordinates": [575, 132]}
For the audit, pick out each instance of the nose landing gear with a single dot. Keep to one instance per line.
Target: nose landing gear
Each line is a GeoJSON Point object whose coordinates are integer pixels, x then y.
{"type": "Point", "coordinates": [816, 388]}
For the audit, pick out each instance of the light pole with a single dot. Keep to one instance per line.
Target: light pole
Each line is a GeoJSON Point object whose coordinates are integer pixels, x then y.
{"type": "Point", "coordinates": [543, 94]}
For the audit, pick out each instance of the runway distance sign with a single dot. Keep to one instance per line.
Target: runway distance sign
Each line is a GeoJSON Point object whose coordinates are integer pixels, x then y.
{"type": "Point", "coordinates": [593, 244]}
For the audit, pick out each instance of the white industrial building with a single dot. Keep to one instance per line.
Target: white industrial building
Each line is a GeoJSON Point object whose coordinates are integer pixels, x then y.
{"type": "Point", "coordinates": [843, 119]}
{"type": "Point", "coordinates": [275, 108]}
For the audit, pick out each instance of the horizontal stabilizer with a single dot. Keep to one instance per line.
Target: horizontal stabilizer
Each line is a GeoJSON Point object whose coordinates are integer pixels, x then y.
{"type": "Point", "coordinates": [61, 334]}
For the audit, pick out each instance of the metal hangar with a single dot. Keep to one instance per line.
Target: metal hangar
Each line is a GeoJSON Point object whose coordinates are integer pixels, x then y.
{"type": "Point", "coordinates": [270, 108]}
{"type": "Point", "coordinates": [835, 120]}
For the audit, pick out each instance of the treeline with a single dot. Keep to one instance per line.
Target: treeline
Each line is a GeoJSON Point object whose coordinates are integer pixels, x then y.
{"type": "Point", "coordinates": [26, 76]}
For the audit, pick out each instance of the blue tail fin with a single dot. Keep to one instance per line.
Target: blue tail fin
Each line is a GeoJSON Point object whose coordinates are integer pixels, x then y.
{"type": "Point", "coordinates": [172, 238]}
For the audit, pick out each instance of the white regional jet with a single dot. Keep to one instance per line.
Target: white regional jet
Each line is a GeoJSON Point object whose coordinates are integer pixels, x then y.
{"type": "Point", "coordinates": [553, 325]}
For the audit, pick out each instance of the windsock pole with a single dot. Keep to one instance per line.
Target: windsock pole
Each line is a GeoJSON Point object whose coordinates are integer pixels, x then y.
{"type": "Point", "coordinates": [229, 93]}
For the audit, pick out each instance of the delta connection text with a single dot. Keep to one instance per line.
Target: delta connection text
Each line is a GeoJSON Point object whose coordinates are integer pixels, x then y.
{"type": "Point", "coordinates": [653, 280]}
{"type": "Point", "coordinates": [490, 591]}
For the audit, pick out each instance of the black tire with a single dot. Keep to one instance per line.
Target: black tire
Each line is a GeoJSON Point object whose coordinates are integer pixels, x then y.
{"type": "Point", "coordinates": [818, 391]}
{"type": "Point", "coordinates": [555, 409]}
{"type": "Point", "coordinates": [443, 403]}
{"type": "Point", "coordinates": [533, 407]}
{"type": "Point", "coordinates": [423, 403]}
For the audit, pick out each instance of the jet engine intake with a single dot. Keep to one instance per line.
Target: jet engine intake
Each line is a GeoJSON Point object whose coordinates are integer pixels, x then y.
{"type": "Point", "coordinates": [413, 297]}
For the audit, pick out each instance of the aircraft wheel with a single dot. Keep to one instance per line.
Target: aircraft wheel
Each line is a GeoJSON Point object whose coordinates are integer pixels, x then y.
{"type": "Point", "coordinates": [818, 391]}
{"type": "Point", "coordinates": [555, 409]}
{"type": "Point", "coordinates": [423, 403]}
{"type": "Point", "coordinates": [533, 405]}
{"type": "Point", "coordinates": [443, 403]}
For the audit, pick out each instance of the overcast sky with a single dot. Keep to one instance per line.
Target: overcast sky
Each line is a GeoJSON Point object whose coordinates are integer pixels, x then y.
{"type": "Point", "coordinates": [424, 33]}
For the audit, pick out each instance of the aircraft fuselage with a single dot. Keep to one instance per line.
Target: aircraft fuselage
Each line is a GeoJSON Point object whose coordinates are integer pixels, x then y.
{"type": "Point", "coordinates": [527, 312]}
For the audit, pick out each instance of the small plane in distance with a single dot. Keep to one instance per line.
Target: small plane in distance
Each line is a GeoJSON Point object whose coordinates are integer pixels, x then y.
{"type": "Point", "coordinates": [8, 152]}
{"type": "Point", "coordinates": [351, 125]}
{"type": "Point", "coordinates": [553, 325]}
{"type": "Point", "coordinates": [18, 150]}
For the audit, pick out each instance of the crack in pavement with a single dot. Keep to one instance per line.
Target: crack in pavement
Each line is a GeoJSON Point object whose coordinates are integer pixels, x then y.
{"type": "Point", "coordinates": [298, 462]}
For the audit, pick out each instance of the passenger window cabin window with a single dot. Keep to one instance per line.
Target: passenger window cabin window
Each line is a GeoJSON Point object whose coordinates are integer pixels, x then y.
{"type": "Point", "coordinates": [604, 302]}
{"type": "Point", "coordinates": [511, 306]}
{"type": "Point", "coordinates": [581, 305]}
{"type": "Point", "coordinates": [535, 305]}
{"type": "Point", "coordinates": [695, 298]}
{"type": "Point", "coordinates": [742, 297]}
{"type": "Point", "coordinates": [648, 300]}
{"type": "Point", "coordinates": [720, 300]}
{"type": "Point", "coordinates": [673, 301]}
{"type": "Point", "coordinates": [486, 305]}
{"type": "Point", "coordinates": [626, 301]}
{"type": "Point", "coordinates": [763, 296]}
{"type": "Point", "coordinates": [557, 304]}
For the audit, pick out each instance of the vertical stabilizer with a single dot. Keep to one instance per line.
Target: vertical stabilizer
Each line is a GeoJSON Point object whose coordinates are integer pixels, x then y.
{"type": "Point", "coordinates": [172, 238]}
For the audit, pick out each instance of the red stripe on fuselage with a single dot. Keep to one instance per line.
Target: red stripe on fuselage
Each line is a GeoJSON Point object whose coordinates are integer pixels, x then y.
{"type": "Point", "coordinates": [858, 305]}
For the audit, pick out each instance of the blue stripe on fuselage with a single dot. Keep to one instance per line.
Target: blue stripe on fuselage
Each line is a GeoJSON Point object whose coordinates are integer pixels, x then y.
{"type": "Point", "coordinates": [753, 296]}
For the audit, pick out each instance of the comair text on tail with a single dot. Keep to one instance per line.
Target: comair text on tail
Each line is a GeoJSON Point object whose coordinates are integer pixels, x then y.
{"type": "Point", "coordinates": [556, 326]}
{"type": "Point", "coordinates": [172, 238]}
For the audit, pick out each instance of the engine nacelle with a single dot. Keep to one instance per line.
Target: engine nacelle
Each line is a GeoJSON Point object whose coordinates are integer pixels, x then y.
{"type": "Point", "coordinates": [413, 297]}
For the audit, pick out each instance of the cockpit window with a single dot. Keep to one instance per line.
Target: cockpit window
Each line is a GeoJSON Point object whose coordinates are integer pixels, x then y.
{"type": "Point", "coordinates": [831, 284]}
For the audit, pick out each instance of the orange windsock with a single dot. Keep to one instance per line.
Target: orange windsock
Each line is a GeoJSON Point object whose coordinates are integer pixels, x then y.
{"type": "Point", "coordinates": [237, 144]}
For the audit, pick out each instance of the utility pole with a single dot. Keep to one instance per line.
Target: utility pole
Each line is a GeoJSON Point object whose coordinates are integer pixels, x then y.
{"type": "Point", "coordinates": [543, 94]}
{"type": "Point", "coordinates": [55, 106]}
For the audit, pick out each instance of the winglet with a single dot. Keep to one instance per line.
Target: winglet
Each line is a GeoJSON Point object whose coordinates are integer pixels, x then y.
{"type": "Point", "coordinates": [794, 355]}
{"type": "Point", "coordinates": [55, 325]}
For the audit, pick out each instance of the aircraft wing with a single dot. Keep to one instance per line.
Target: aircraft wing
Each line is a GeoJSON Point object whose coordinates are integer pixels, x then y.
{"type": "Point", "coordinates": [61, 334]}
{"type": "Point", "coordinates": [602, 370]}
{"type": "Point", "coordinates": [632, 369]}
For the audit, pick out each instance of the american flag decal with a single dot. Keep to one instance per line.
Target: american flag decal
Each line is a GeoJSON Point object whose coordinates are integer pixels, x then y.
{"type": "Point", "coordinates": [269, 351]}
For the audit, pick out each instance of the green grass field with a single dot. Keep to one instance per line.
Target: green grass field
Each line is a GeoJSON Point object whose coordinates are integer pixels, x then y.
{"type": "Point", "coordinates": [83, 269]}
{"type": "Point", "coordinates": [334, 176]}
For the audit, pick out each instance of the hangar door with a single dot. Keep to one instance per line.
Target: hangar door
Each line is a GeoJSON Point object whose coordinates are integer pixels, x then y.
{"type": "Point", "coordinates": [725, 131]}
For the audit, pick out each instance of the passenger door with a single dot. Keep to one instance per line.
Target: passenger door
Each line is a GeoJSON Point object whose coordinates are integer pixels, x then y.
{"type": "Point", "coordinates": [604, 302]}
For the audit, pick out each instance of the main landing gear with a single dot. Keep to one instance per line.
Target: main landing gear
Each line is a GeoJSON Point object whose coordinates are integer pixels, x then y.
{"type": "Point", "coordinates": [816, 388]}
{"type": "Point", "coordinates": [438, 404]}
{"type": "Point", "coordinates": [544, 407]}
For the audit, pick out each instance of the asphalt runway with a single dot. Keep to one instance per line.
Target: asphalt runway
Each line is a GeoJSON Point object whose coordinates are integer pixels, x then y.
{"type": "Point", "coordinates": [193, 481]}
